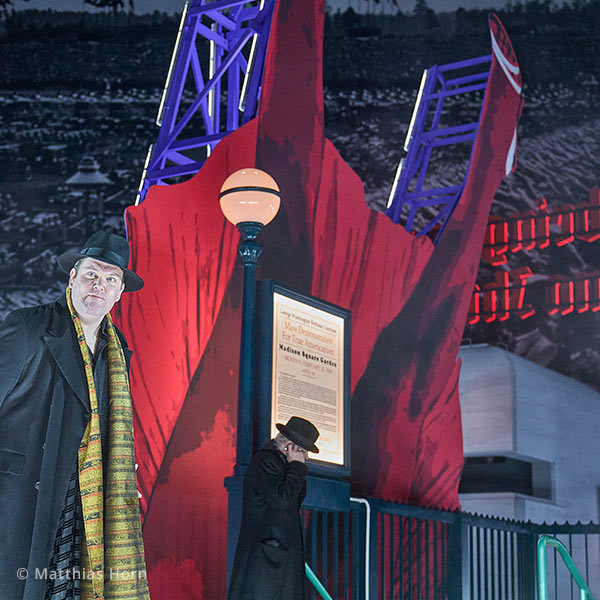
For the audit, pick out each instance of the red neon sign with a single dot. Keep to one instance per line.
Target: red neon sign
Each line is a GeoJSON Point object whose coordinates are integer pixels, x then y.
{"type": "Point", "coordinates": [498, 300]}
{"type": "Point", "coordinates": [503, 298]}
{"type": "Point", "coordinates": [528, 230]}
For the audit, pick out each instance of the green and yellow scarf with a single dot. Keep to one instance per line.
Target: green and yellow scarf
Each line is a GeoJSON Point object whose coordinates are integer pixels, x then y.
{"type": "Point", "coordinates": [113, 565]}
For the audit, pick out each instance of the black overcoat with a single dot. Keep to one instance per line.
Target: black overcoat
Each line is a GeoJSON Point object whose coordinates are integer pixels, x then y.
{"type": "Point", "coordinates": [44, 410]}
{"type": "Point", "coordinates": [269, 559]}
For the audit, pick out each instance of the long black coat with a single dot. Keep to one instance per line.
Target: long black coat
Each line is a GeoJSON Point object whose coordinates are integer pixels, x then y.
{"type": "Point", "coordinates": [44, 410]}
{"type": "Point", "coordinates": [269, 559]}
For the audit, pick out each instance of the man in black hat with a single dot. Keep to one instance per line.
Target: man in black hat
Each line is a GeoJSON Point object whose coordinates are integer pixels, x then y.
{"type": "Point", "coordinates": [269, 559]}
{"type": "Point", "coordinates": [68, 498]}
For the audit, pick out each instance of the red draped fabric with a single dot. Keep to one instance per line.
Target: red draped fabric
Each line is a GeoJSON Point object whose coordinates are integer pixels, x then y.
{"type": "Point", "coordinates": [409, 304]}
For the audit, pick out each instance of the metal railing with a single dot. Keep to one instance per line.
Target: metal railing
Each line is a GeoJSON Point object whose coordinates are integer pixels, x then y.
{"type": "Point", "coordinates": [582, 542]}
{"type": "Point", "coordinates": [423, 554]}
{"type": "Point", "coordinates": [316, 583]}
{"type": "Point", "coordinates": [545, 540]}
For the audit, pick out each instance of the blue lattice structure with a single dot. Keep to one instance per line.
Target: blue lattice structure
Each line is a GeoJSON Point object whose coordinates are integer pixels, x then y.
{"type": "Point", "coordinates": [409, 195]}
{"type": "Point", "coordinates": [223, 93]}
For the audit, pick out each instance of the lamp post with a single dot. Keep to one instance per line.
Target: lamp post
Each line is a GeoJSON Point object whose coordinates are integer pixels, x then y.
{"type": "Point", "coordinates": [250, 200]}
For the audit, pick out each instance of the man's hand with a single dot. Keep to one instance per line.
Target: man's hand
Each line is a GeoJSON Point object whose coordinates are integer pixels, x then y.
{"type": "Point", "coordinates": [294, 452]}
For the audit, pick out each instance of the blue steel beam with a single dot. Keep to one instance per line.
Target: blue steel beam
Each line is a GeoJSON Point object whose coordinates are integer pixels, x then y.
{"type": "Point", "coordinates": [237, 34]}
{"type": "Point", "coordinates": [409, 196]}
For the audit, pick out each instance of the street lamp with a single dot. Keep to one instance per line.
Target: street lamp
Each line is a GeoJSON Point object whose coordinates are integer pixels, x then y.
{"type": "Point", "coordinates": [250, 200]}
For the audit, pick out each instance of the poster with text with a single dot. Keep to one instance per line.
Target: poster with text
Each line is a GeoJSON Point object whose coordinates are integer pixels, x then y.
{"type": "Point", "coordinates": [308, 372]}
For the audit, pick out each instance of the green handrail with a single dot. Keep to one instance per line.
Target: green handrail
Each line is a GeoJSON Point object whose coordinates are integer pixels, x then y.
{"type": "Point", "coordinates": [315, 581]}
{"type": "Point", "coordinates": [545, 540]}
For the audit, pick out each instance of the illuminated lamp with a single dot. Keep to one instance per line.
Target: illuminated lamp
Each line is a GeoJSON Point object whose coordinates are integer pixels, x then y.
{"type": "Point", "coordinates": [250, 196]}
{"type": "Point", "coordinates": [249, 199]}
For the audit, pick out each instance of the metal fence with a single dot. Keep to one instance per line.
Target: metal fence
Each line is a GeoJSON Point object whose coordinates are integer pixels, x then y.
{"type": "Point", "coordinates": [385, 551]}
{"type": "Point", "coordinates": [334, 545]}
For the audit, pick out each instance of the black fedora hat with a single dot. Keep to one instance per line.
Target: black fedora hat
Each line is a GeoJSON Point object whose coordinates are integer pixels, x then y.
{"type": "Point", "coordinates": [108, 248]}
{"type": "Point", "coordinates": [302, 432]}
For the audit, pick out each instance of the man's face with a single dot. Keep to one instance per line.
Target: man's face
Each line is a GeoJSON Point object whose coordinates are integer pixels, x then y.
{"type": "Point", "coordinates": [95, 288]}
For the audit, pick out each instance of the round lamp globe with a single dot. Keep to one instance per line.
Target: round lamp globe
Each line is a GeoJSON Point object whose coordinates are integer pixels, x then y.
{"type": "Point", "coordinates": [250, 195]}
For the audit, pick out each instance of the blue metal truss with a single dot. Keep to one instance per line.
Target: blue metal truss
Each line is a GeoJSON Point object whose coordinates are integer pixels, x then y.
{"type": "Point", "coordinates": [409, 196]}
{"type": "Point", "coordinates": [225, 93]}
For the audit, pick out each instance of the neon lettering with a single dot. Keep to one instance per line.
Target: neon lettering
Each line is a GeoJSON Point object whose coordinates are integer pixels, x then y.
{"type": "Point", "coordinates": [531, 229]}
{"type": "Point", "coordinates": [499, 299]}
{"type": "Point", "coordinates": [502, 299]}
{"type": "Point", "coordinates": [588, 218]}
{"type": "Point", "coordinates": [496, 241]}
{"type": "Point", "coordinates": [565, 219]}
{"type": "Point", "coordinates": [474, 311]}
{"type": "Point", "coordinates": [542, 225]}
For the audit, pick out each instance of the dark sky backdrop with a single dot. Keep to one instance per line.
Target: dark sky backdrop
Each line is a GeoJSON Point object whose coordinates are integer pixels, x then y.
{"type": "Point", "coordinates": [173, 6]}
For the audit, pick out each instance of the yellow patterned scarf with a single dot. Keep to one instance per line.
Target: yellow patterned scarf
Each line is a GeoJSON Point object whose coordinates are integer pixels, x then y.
{"type": "Point", "coordinates": [113, 565]}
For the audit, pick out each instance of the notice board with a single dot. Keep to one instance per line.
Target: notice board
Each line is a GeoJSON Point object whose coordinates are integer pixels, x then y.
{"type": "Point", "coordinates": [304, 358]}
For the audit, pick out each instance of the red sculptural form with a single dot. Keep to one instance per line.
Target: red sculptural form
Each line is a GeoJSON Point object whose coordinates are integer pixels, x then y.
{"type": "Point", "coordinates": [409, 302]}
